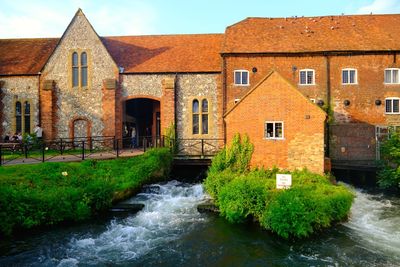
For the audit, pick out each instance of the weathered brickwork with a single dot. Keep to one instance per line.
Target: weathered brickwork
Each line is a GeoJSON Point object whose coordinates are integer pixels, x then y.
{"type": "Point", "coordinates": [19, 88]}
{"type": "Point", "coordinates": [82, 102]}
{"type": "Point", "coordinates": [275, 99]}
{"type": "Point", "coordinates": [288, 67]}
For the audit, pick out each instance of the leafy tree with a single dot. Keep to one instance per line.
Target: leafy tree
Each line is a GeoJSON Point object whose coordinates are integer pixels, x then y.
{"type": "Point", "coordinates": [389, 174]}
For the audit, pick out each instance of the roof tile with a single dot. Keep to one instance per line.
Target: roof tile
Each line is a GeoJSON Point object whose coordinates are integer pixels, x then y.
{"type": "Point", "coordinates": [314, 34]}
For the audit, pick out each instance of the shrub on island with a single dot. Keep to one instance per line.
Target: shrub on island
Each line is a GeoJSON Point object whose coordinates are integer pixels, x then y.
{"type": "Point", "coordinates": [312, 203]}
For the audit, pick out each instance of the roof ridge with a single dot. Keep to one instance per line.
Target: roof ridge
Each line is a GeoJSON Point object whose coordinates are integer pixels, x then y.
{"type": "Point", "coordinates": [165, 35]}
{"type": "Point", "coordinates": [29, 39]}
{"type": "Point", "coordinates": [322, 16]}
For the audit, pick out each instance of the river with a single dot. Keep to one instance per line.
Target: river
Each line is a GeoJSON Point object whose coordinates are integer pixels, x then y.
{"type": "Point", "coordinates": [170, 232]}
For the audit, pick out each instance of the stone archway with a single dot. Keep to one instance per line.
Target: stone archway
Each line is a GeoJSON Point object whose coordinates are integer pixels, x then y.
{"type": "Point", "coordinates": [143, 114]}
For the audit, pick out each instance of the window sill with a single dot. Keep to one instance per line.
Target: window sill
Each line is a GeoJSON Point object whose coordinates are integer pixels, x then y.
{"type": "Point", "coordinates": [311, 84]}
{"type": "Point", "coordinates": [276, 139]}
{"type": "Point", "coordinates": [392, 113]}
{"type": "Point", "coordinates": [391, 83]}
{"type": "Point", "coordinates": [344, 84]}
{"type": "Point", "coordinates": [241, 84]}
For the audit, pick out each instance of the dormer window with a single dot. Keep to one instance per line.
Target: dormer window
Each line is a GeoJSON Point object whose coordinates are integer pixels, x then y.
{"type": "Point", "coordinates": [241, 77]}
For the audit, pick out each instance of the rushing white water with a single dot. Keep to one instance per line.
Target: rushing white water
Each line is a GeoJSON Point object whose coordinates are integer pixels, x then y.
{"type": "Point", "coordinates": [170, 232]}
{"type": "Point", "coordinates": [375, 220]}
{"type": "Point", "coordinates": [170, 209]}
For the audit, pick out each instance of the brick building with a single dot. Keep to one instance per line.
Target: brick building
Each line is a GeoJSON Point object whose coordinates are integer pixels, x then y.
{"type": "Point", "coordinates": [272, 78]}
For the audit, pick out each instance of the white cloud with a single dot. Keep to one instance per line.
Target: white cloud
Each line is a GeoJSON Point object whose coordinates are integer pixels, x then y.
{"type": "Point", "coordinates": [26, 19]}
{"type": "Point", "coordinates": [381, 7]}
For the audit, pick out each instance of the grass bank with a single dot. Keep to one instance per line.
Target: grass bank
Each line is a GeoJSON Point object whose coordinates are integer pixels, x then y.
{"type": "Point", "coordinates": [50, 193]}
{"type": "Point", "coordinates": [311, 204]}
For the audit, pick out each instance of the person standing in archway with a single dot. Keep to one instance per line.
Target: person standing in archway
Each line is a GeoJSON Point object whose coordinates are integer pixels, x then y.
{"type": "Point", "coordinates": [133, 136]}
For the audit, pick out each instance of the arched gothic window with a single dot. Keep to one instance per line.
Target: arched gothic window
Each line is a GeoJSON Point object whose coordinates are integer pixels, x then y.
{"type": "Point", "coordinates": [27, 117]}
{"type": "Point", "coordinates": [84, 70]}
{"type": "Point", "coordinates": [80, 70]}
{"type": "Point", "coordinates": [200, 116]}
{"type": "Point", "coordinates": [195, 117]}
{"type": "Point", "coordinates": [75, 70]}
{"type": "Point", "coordinates": [18, 116]}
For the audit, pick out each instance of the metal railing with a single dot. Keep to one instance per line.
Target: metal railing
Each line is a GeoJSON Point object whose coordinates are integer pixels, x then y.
{"type": "Point", "coordinates": [95, 147]}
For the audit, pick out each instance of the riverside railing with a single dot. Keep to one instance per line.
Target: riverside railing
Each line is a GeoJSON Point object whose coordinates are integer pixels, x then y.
{"type": "Point", "coordinates": [101, 147]}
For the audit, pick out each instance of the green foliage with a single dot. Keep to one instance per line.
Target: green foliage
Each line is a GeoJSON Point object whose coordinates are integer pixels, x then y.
{"type": "Point", "coordinates": [300, 211]}
{"type": "Point", "coordinates": [243, 197]}
{"type": "Point", "coordinates": [33, 195]}
{"type": "Point", "coordinates": [170, 138]}
{"type": "Point", "coordinates": [311, 204]}
{"type": "Point", "coordinates": [236, 157]}
{"type": "Point", "coordinates": [389, 174]}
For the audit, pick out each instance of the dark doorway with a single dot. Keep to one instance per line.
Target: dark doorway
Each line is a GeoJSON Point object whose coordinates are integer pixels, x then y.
{"type": "Point", "coordinates": [143, 114]}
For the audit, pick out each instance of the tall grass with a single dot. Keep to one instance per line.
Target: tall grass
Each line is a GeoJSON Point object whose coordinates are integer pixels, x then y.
{"type": "Point", "coordinates": [50, 193]}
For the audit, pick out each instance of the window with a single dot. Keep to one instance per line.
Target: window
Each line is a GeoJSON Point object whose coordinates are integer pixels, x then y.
{"type": "Point", "coordinates": [84, 73]}
{"type": "Point", "coordinates": [200, 116]}
{"type": "Point", "coordinates": [392, 75]}
{"type": "Point", "coordinates": [241, 77]}
{"type": "Point", "coordinates": [27, 117]}
{"type": "Point", "coordinates": [307, 77]}
{"type": "Point", "coordinates": [18, 117]}
{"type": "Point", "coordinates": [195, 117]}
{"type": "Point", "coordinates": [273, 130]}
{"type": "Point", "coordinates": [349, 76]}
{"type": "Point", "coordinates": [79, 69]}
{"type": "Point", "coordinates": [23, 112]}
{"type": "Point", "coordinates": [392, 105]}
{"type": "Point", "coordinates": [75, 70]}
{"type": "Point", "coordinates": [204, 116]}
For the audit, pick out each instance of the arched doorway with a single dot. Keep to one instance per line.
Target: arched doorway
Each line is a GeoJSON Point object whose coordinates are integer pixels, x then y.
{"type": "Point", "coordinates": [143, 114]}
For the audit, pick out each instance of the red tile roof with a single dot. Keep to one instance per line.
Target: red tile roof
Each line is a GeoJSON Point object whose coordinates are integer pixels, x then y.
{"type": "Point", "coordinates": [24, 56]}
{"type": "Point", "coordinates": [136, 54]}
{"type": "Point", "coordinates": [305, 34]}
{"type": "Point", "coordinates": [166, 53]}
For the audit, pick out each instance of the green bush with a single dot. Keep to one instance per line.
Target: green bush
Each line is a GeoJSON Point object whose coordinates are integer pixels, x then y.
{"type": "Point", "coordinates": [389, 174]}
{"type": "Point", "coordinates": [235, 157]}
{"type": "Point", "coordinates": [299, 211]}
{"type": "Point", "coordinates": [311, 204]}
{"type": "Point", "coordinates": [34, 195]}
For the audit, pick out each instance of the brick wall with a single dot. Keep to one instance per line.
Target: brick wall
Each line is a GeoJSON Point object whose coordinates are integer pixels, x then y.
{"type": "Point", "coordinates": [167, 105]}
{"type": "Point", "coordinates": [288, 67]}
{"type": "Point", "coordinates": [353, 142]}
{"type": "Point", "coordinates": [109, 106]}
{"type": "Point", "coordinates": [362, 96]}
{"type": "Point", "coordinates": [275, 99]}
{"type": "Point", "coordinates": [48, 109]}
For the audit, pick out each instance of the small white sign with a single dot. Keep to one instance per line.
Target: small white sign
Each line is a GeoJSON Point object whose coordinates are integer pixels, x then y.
{"type": "Point", "coordinates": [283, 181]}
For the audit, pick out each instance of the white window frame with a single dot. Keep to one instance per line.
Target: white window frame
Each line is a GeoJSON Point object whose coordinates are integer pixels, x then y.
{"type": "Point", "coordinates": [312, 100]}
{"type": "Point", "coordinates": [241, 77]}
{"type": "Point", "coordinates": [274, 123]}
{"type": "Point", "coordinates": [348, 70]}
{"type": "Point", "coordinates": [391, 78]}
{"type": "Point", "coordinates": [306, 71]}
{"type": "Point", "coordinates": [391, 110]}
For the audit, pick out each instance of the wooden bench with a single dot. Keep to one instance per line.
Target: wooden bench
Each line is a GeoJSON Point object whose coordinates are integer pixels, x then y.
{"type": "Point", "coordinates": [11, 146]}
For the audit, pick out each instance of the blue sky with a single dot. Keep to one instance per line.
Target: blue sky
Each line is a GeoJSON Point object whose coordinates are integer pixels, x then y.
{"type": "Point", "coordinates": [45, 18]}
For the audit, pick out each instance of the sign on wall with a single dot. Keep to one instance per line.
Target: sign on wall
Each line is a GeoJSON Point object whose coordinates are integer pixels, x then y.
{"type": "Point", "coordinates": [283, 181]}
